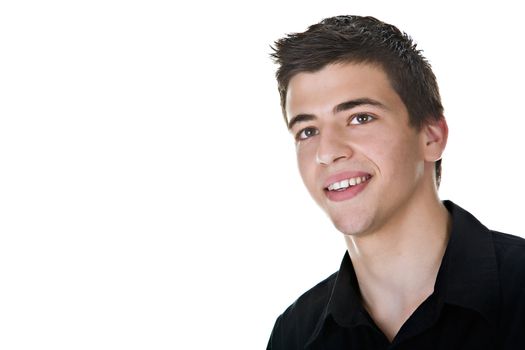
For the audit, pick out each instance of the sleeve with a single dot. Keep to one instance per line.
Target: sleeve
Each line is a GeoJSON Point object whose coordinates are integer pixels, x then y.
{"type": "Point", "coordinates": [276, 341]}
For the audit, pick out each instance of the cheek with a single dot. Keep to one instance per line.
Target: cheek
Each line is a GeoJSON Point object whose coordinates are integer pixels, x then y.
{"type": "Point", "coordinates": [306, 161]}
{"type": "Point", "coordinates": [402, 157]}
{"type": "Point", "coordinates": [392, 153]}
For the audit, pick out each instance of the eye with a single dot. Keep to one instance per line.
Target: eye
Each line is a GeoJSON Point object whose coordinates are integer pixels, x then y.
{"type": "Point", "coordinates": [306, 133]}
{"type": "Point", "coordinates": [361, 118]}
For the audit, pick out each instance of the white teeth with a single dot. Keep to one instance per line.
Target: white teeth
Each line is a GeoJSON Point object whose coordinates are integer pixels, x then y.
{"type": "Point", "coordinates": [346, 183]}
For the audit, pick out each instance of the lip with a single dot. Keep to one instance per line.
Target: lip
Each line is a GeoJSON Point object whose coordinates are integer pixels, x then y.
{"type": "Point", "coordinates": [350, 192]}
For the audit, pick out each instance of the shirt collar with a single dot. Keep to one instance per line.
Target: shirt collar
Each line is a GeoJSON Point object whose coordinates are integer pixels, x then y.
{"type": "Point", "coordinates": [469, 266]}
{"type": "Point", "coordinates": [344, 304]}
{"type": "Point", "coordinates": [468, 276]}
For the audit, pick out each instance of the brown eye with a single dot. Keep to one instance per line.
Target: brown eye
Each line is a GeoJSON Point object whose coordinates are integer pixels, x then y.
{"type": "Point", "coordinates": [362, 118]}
{"type": "Point", "coordinates": [306, 133]}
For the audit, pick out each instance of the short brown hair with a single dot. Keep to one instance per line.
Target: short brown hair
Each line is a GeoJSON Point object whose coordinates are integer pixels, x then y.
{"type": "Point", "coordinates": [363, 40]}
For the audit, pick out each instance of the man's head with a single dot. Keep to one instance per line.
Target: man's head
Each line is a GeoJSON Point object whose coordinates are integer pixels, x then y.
{"type": "Point", "coordinates": [354, 39]}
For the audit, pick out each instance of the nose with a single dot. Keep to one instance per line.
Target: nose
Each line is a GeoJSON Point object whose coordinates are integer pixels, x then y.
{"type": "Point", "coordinates": [333, 146]}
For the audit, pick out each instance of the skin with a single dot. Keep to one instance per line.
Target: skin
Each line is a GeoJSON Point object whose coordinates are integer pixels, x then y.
{"type": "Point", "coordinates": [396, 228]}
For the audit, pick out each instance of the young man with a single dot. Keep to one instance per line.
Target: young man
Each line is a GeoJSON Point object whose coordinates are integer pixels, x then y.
{"type": "Point", "coordinates": [364, 108]}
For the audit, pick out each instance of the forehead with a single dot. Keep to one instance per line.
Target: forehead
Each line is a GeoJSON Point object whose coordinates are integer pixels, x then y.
{"type": "Point", "coordinates": [318, 92]}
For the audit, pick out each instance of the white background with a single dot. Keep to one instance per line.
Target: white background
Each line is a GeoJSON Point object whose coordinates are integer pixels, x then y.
{"type": "Point", "coordinates": [149, 197]}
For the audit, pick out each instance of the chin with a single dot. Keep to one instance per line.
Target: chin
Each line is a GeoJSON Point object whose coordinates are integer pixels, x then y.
{"type": "Point", "coordinates": [351, 226]}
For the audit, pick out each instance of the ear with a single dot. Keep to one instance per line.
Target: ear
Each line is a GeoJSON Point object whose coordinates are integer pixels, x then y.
{"type": "Point", "coordinates": [435, 135]}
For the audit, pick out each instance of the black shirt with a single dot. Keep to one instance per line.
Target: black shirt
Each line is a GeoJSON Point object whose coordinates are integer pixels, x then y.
{"type": "Point", "coordinates": [478, 301]}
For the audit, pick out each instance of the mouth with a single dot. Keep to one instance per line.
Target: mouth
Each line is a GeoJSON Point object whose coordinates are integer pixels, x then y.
{"type": "Point", "coordinates": [347, 188]}
{"type": "Point", "coordinates": [345, 184]}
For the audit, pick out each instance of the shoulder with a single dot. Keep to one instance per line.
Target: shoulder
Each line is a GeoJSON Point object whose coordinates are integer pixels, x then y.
{"type": "Point", "coordinates": [310, 305]}
{"type": "Point", "coordinates": [296, 324]}
{"type": "Point", "coordinates": [510, 256]}
{"type": "Point", "coordinates": [507, 240]}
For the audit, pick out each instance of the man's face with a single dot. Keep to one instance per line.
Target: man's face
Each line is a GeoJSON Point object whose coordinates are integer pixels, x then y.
{"type": "Point", "coordinates": [358, 156]}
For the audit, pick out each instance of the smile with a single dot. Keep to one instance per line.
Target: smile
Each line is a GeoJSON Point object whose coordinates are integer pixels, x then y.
{"type": "Point", "coordinates": [344, 184]}
{"type": "Point", "coordinates": [348, 188]}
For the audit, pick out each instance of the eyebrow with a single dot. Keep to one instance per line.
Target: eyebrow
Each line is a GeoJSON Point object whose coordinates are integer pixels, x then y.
{"type": "Point", "coordinates": [341, 107]}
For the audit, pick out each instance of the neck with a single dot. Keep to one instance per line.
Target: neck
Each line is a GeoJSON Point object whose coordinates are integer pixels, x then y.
{"type": "Point", "coordinates": [397, 266]}
{"type": "Point", "coordinates": [419, 241]}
